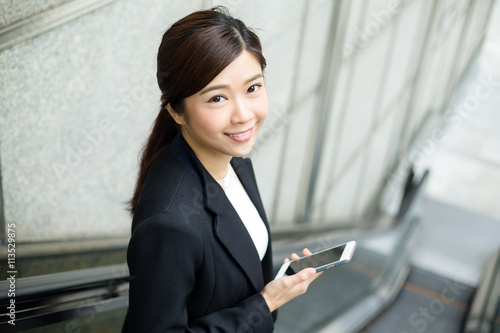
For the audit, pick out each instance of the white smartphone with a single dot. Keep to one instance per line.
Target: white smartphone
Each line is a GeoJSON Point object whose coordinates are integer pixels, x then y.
{"type": "Point", "coordinates": [322, 260]}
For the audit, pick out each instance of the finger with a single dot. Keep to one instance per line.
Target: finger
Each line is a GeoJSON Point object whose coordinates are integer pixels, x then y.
{"type": "Point", "coordinates": [310, 276]}
{"type": "Point", "coordinates": [309, 280]}
{"type": "Point", "coordinates": [295, 256]}
{"type": "Point", "coordinates": [306, 252]}
{"type": "Point", "coordinates": [301, 276]}
{"type": "Point", "coordinates": [298, 283]}
{"type": "Point", "coordinates": [306, 273]}
{"type": "Point", "coordinates": [286, 260]}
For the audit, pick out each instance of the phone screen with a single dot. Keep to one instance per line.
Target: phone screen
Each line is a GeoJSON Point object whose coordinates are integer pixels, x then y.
{"type": "Point", "coordinates": [316, 260]}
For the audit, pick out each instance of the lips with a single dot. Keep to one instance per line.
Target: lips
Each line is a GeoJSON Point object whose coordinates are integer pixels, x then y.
{"type": "Point", "coordinates": [241, 136]}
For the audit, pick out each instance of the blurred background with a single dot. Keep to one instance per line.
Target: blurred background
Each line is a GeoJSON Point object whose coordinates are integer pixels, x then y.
{"type": "Point", "coordinates": [383, 128]}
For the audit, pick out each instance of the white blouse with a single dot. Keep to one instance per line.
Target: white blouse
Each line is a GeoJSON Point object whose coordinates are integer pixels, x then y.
{"type": "Point", "coordinates": [246, 210]}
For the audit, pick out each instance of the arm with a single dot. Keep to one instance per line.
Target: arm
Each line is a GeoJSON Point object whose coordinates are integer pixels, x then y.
{"type": "Point", "coordinates": [163, 260]}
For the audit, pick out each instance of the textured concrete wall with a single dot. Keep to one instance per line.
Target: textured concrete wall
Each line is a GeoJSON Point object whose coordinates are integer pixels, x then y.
{"type": "Point", "coordinates": [78, 101]}
{"type": "Point", "coordinates": [14, 11]}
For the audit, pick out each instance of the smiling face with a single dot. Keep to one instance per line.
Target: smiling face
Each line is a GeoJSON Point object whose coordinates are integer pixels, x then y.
{"type": "Point", "coordinates": [222, 119]}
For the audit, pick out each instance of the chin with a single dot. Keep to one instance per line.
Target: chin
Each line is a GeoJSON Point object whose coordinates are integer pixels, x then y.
{"type": "Point", "coordinates": [243, 152]}
{"type": "Point", "coordinates": [241, 149]}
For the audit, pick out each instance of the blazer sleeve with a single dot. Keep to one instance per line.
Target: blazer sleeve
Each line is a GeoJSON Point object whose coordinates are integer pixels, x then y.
{"type": "Point", "coordinates": [163, 260]}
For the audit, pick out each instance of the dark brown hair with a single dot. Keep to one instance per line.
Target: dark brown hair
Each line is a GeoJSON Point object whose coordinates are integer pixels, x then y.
{"type": "Point", "coordinates": [192, 53]}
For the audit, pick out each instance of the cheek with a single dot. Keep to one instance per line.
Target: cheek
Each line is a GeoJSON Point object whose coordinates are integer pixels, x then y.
{"type": "Point", "coordinates": [262, 108]}
{"type": "Point", "coordinates": [208, 121]}
{"type": "Point", "coordinates": [263, 115]}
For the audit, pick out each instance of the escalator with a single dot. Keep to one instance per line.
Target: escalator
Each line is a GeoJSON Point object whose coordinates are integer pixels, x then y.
{"type": "Point", "coordinates": [378, 291]}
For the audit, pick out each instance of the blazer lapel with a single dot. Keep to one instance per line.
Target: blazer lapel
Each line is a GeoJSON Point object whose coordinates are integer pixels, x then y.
{"type": "Point", "coordinates": [232, 233]}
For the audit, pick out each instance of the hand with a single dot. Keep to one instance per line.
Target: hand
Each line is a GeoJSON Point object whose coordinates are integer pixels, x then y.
{"type": "Point", "coordinates": [282, 290]}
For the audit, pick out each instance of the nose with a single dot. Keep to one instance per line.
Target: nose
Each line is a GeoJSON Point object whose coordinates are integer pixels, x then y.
{"type": "Point", "coordinates": [242, 113]}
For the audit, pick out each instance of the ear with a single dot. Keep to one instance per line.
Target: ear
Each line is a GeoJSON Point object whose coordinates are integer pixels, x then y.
{"type": "Point", "coordinates": [179, 118]}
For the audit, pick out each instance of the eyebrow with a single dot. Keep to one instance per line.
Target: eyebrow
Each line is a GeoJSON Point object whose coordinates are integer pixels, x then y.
{"type": "Point", "coordinates": [222, 86]}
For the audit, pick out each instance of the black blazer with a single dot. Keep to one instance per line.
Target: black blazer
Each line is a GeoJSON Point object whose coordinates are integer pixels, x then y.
{"type": "Point", "coordinates": [193, 265]}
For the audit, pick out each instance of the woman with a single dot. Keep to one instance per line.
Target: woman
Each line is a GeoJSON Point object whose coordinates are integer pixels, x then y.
{"type": "Point", "coordinates": [200, 254]}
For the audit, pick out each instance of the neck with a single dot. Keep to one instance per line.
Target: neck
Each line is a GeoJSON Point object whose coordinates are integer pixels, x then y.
{"type": "Point", "coordinates": [215, 163]}
{"type": "Point", "coordinates": [216, 168]}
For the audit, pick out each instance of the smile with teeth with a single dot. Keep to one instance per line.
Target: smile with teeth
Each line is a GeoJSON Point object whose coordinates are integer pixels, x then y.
{"type": "Point", "coordinates": [242, 136]}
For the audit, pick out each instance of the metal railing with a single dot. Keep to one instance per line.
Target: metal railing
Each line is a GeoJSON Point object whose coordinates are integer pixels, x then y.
{"type": "Point", "coordinates": [482, 311]}
{"type": "Point", "coordinates": [47, 299]}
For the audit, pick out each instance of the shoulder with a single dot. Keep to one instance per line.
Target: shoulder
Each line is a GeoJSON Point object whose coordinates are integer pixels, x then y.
{"type": "Point", "coordinates": [167, 186]}
{"type": "Point", "coordinates": [160, 237]}
{"type": "Point", "coordinates": [168, 228]}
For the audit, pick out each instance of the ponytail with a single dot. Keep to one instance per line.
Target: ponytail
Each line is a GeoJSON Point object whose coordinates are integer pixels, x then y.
{"type": "Point", "coordinates": [164, 131]}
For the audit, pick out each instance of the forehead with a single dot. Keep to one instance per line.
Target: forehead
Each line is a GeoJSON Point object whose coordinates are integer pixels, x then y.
{"type": "Point", "coordinates": [241, 69]}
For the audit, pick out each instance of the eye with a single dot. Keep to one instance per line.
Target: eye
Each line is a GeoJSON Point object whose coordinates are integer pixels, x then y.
{"type": "Point", "coordinates": [216, 99]}
{"type": "Point", "coordinates": [254, 88]}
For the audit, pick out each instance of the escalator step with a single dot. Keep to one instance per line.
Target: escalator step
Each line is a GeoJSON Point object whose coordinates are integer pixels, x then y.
{"type": "Point", "coordinates": [427, 303]}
